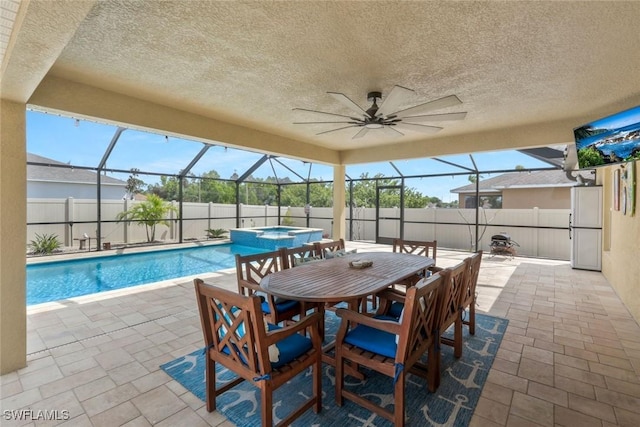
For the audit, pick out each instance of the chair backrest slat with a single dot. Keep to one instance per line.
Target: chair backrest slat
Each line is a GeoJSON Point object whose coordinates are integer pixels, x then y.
{"type": "Point", "coordinates": [472, 279]}
{"type": "Point", "coordinates": [250, 269]}
{"type": "Point", "coordinates": [420, 316]}
{"type": "Point", "coordinates": [428, 249]}
{"type": "Point", "coordinates": [292, 255]}
{"type": "Point", "coordinates": [453, 294]}
{"type": "Point", "coordinates": [232, 326]}
{"type": "Point", "coordinates": [333, 246]}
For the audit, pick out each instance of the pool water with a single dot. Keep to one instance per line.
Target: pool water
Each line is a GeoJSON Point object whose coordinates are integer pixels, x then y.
{"type": "Point", "coordinates": [273, 238]}
{"type": "Point", "coordinates": [52, 281]}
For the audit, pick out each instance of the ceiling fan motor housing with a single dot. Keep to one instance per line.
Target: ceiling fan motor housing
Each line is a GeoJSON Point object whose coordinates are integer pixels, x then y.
{"type": "Point", "coordinates": [372, 96]}
{"type": "Point", "coordinates": [372, 122]}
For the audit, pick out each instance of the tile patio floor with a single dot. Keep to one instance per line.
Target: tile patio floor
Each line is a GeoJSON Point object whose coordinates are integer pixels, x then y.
{"type": "Point", "coordinates": [570, 357]}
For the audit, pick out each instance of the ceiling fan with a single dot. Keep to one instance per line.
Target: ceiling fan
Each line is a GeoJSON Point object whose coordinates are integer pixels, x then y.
{"type": "Point", "coordinates": [386, 117]}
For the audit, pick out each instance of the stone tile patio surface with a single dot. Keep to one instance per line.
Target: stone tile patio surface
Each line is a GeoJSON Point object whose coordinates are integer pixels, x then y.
{"type": "Point", "coordinates": [570, 356]}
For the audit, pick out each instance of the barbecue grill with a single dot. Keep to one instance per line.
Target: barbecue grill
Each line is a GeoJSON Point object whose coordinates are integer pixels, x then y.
{"type": "Point", "coordinates": [502, 244]}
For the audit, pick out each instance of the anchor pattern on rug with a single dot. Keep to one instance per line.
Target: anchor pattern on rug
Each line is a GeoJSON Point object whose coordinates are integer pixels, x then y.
{"type": "Point", "coordinates": [458, 404]}
{"type": "Point", "coordinates": [495, 330]}
{"type": "Point", "coordinates": [451, 406]}
{"type": "Point", "coordinates": [469, 381]}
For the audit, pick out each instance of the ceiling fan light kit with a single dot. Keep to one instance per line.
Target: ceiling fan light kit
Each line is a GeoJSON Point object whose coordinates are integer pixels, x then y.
{"type": "Point", "coordinates": [387, 117]}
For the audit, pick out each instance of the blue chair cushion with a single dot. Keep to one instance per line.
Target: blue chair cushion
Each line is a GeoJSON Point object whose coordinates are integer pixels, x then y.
{"type": "Point", "coordinates": [281, 306]}
{"type": "Point", "coordinates": [374, 340]}
{"type": "Point", "coordinates": [287, 349]}
{"type": "Point", "coordinates": [395, 310]}
{"type": "Point", "coordinates": [290, 347]}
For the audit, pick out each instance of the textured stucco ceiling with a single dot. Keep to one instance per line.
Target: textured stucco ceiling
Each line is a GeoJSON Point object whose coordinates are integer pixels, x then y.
{"type": "Point", "coordinates": [527, 72]}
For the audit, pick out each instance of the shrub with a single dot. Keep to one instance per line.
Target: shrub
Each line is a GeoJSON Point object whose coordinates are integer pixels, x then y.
{"type": "Point", "coordinates": [287, 220]}
{"type": "Point", "coordinates": [590, 157]}
{"type": "Point", "coordinates": [215, 233]}
{"type": "Point", "coordinates": [45, 244]}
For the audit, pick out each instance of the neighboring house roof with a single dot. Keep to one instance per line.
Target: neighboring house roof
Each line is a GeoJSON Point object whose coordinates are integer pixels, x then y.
{"type": "Point", "coordinates": [61, 174]}
{"type": "Point", "coordinates": [524, 179]}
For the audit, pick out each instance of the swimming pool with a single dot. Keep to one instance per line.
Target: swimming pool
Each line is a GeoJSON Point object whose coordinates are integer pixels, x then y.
{"type": "Point", "coordinates": [273, 238]}
{"type": "Point", "coordinates": [53, 281]}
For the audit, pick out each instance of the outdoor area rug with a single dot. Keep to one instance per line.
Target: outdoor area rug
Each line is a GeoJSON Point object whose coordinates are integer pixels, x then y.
{"type": "Point", "coordinates": [452, 404]}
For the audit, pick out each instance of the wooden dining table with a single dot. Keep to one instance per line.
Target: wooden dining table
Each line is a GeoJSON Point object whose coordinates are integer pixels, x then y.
{"type": "Point", "coordinates": [334, 280]}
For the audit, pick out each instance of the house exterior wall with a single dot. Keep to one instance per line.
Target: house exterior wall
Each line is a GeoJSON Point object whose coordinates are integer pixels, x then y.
{"type": "Point", "coordinates": [543, 198]}
{"type": "Point", "coordinates": [463, 196]}
{"type": "Point", "coordinates": [62, 190]}
{"type": "Point", "coordinates": [529, 198]}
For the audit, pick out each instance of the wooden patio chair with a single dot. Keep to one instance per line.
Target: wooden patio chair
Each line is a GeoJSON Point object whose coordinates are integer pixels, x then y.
{"type": "Point", "coordinates": [451, 313]}
{"type": "Point", "coordinates": [335, 246]}
{"type": "Point", "coordinates": [392, 347]}
{"type": "Point", "coordinates": [250, 269]}
{"type": "Point", "coordinates": [292, 257]}
{"type": "Point", "coordinates": [392, 305]}
{"type": "Point", "coordinates": [469, 292]}
{"type": "Point", "coordinates": [235, 336]}
{"type": "Point", "coordinates": [426, 248]}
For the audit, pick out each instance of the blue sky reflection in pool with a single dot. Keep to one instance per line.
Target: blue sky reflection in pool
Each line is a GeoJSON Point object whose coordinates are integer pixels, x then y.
{"type": "Point", "coordinates": [53, 281]}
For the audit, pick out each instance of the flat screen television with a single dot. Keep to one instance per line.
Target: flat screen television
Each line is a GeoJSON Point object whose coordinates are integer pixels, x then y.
{"type": "Point", "coordinates": [609, 140]}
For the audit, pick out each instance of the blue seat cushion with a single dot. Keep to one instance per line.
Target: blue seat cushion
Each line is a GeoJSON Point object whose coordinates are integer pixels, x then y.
{"type": "Point", "coordinates": [281, 306]}
{"type": "Point", "coordinates": [396, 310]}
{"type": "Point", "coordinates": [374, 340]}
{"type": "Point", "coordinates": [289, 348]}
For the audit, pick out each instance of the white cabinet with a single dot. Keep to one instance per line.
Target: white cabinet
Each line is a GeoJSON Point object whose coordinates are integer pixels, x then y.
{"type": "Point", "coordinates": [586, 228]}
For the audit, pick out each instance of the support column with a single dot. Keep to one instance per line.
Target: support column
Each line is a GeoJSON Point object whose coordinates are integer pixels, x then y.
{"type": "Point", "coordinates": [13, 236]}
{"type": "Point", "coordinates": [339, 202]}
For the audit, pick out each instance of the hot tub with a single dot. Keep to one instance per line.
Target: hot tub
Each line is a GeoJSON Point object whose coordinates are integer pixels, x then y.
{"type": "Point", "coordinates": [273, 238]}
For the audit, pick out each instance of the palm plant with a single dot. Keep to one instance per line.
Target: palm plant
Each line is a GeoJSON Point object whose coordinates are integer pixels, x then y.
{"type": "Point", "coordinates": [215, 233]}
{"type": "Point", "coordinates": [45, 244]}
{"type": "Point", "coordinates": [151, 212]}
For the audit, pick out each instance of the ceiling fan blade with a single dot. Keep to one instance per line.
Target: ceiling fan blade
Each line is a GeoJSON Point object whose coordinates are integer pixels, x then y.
{"type": "Point", "coordinates": [362, 132]}
{"type": "Point", "coordinates": [396, 97]}
{"type": "Point", "coordinates": [436, 117]}
{"type": "Point", "coordinates": [324, 112]}
{"type": "Point", "coordinates": [333, 130]}
{"type": "Point", "coordinates": [322, 123]}
{"type": "Point", "coordinates": [447, 101]}
{"type": "Point", "coordinates": [417, 127]}
{"type": "Point", "coordinates": [392, 131]}
{"type": "Point", "coordinates": [347, 102]}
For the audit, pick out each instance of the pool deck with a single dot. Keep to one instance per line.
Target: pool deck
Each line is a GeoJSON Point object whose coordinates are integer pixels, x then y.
{"type": "Point", "coordinates": [570, 356]}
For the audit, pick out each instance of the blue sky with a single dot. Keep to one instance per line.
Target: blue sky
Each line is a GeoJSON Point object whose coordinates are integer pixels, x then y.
{"type": "Point", "coordinates": [83, 143]}
{"type": "Point", "coordinates": [618, 120]}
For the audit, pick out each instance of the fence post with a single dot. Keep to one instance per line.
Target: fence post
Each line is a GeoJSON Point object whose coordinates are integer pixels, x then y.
{"type": "Point", "coordinates": [69, 218]}
{"type": "Point", "coordinates": [172, 222]}
{"type": "Point", "coordinates": [266, 215]}
{"type": "Point", "coordinates": [209, 214]}
{"type": "Point", "coordinates": [125, 228]}
{"type": "Point", "coordinates": [535, 219]}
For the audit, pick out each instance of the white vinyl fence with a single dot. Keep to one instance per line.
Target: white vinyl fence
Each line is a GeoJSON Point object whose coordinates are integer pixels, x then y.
{"type": "Point", "coordinates": [539, 232]}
